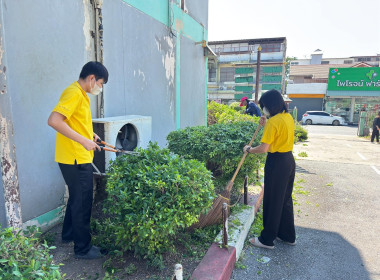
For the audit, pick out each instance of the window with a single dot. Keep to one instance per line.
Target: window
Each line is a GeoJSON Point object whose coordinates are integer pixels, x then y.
{"type": "Point", "coordinates": [271, 47]}
{"type": "Point", "coordinates": [347, 62]}
{"type": "Point", "coordinates": [294, 63]}
{"type": "Point", "coordinates": [212, 75]}
{"type": "Point", "coordinates": [227, 74]}
{"type": "Point", "coordinates": [325, 62]}
{"type": "Point", "coordinates": [364, 59]}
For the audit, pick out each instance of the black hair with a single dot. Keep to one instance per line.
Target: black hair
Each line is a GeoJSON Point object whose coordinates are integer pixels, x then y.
{"type": "Point", "coordinates": [273, 101]}
{"type": "Point", "coordinates": [94, 68]}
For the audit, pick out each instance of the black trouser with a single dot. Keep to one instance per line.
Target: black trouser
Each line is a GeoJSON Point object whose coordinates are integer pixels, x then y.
{"type": "Point", "coordinates": [278, 218]}
{"type": "Point", "coordinates": [375, 132]}
{"type": "Point", "coordinates": [76, 225]}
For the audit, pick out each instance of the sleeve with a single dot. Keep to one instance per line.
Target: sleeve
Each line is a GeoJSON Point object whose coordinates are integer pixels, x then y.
{"type": "Point", "coordinates": [269, 133]}
{"type": "Point", "coordinates": [258, 111]}
{"type": "Point", "coordinates": [67, 103]}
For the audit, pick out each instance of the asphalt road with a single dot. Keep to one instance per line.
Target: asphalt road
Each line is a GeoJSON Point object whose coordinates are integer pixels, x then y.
{"type": "Point", "coordinates": [337, 221]}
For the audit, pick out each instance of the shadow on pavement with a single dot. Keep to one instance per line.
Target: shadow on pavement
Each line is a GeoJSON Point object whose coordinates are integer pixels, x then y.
{"type": "Point", "coordinates": [317, 255]}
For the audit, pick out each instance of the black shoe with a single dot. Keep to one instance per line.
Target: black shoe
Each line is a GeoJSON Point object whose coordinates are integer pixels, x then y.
{"type": "Point", "coordinates": [93, 253]}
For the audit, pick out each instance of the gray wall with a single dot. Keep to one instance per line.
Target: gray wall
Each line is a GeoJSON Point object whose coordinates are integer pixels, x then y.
{"type": "Point", "coordinates": [198, 10]}
{"type": "Point", "coordinates": [306, 104]}
{"type": "Point", "coordinates": [141, 63]}
{"type": "Point", "coordinates": [192, 71]}
{"type": "Point", "coordinates": [45, 48]}
{"type": "Point", "coordinates": [3, 220]}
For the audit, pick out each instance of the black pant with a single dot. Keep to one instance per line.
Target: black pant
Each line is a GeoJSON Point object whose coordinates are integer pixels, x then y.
{"type": "Point", "coordinates": [375, 132]}
{"type": "Point", "coordinates": [278, 218]}
{"type": "Point", "coordinates": [76, 225]}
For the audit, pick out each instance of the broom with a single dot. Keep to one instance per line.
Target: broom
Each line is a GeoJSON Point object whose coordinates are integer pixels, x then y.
{"type": "Point", "coordinates": [214, 215]}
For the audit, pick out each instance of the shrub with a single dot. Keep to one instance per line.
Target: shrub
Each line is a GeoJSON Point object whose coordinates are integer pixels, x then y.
{"type": "Point", "coordinates": [219, 113]}
{"type": "Point", "coordinates": [300, 133]}
{"type": "Point", "coordinates": [220, 148]}
{"type": "Point", "coordinates": [236, 107]}
{"type": "Point", "coordinates": [151, 196]}
{"type": "Point", "coordinates": [24, 257]}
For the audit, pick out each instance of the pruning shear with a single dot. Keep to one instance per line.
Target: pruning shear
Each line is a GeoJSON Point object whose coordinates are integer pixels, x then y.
{"type": "Point", "coordinates": [112, 148]}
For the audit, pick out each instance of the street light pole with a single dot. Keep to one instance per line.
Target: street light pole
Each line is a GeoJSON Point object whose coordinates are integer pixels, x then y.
{"type": "Point", "coordinates": [257, 75]}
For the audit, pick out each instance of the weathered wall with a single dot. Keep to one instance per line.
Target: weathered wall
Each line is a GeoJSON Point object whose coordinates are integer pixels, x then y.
{"type": "Point", "coordinates": [141, 63]}
{"type": "Point", "coordinates": [46, 49]}
{"type": "Point", "coordinates": [3, 220]}
{"type": "Point", "coordinates": [192, 91]}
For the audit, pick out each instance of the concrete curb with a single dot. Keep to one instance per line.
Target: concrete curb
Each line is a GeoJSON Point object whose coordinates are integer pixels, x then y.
{"type": "Point", "coordinates": [218, 263]}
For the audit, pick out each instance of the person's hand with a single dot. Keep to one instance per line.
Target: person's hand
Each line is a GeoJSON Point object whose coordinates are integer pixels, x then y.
{"type": "Point", "coordinates": [245, 149]}
{"type": "Point", "coordinates": [263, 120]}
{"type": "Point", "coordinates": [90, 145]}
{"type": "Point", "coordinates": [95, 137]}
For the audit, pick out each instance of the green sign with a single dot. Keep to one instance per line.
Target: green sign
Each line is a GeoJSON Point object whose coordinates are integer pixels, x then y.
{"type": "Point", "coordinates": [354, 79]}
{"type": "Point", "coordinates": [244, 88]}
{"type": "Point", "coordinates": [239, 96]}
{"type": "Point", "coordinates": [273, 69]}
{"type": "Point", "coordinates": [272, 79]}
{"type": "Point", "coordinates": [243, 70]}
{"type": "Point", "coordinates": [271, 86]}
{"type": "Point", "coordinates": [243, 79]}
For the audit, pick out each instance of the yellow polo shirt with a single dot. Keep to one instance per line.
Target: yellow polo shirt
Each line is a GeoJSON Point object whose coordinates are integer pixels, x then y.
{"type": "Point", "coordinates": [74, 104]}
{"type": "Point", "coordinates": [279, 133]}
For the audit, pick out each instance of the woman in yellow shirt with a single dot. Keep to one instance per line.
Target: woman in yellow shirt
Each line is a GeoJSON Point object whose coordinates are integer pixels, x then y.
{"type": "Point", "coordinates": [279, 172]}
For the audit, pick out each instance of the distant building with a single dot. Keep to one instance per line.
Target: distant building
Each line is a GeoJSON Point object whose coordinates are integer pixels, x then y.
{"type": "Point", "coordinates": [311, 85]}
{"type": "Point", "coordinates": [233, 73]}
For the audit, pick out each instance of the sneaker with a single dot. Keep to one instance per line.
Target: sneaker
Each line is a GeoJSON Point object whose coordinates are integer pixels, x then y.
{"type": "Point", "coordinates": [286, 242]}
{"type": "Point", "coordinates": [93, 253]}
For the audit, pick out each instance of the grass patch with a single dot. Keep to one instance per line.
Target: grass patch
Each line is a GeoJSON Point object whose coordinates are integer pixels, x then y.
{"type": "Point", "coordinates": [302, 154]}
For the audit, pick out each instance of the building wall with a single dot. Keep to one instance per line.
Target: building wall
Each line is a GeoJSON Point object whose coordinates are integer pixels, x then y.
{"type": "Point", "coordinates": [192, 113]}
{"type": "Point", "coordinates": [311, 88]}
{"type": "Point", "coordinates": [42, 60]}
{"type": "Point", "coordinates": [46, 51]}
{"type": "Point", "coordinates": [3, 220]}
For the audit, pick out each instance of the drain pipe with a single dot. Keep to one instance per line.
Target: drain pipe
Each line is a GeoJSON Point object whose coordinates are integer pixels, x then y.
{"type": "Point", "coordinates": [97, 5]}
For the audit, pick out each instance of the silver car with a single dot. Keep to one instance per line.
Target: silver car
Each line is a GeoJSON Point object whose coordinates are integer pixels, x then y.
{"type": "Point", "coordinates": [321, 117]}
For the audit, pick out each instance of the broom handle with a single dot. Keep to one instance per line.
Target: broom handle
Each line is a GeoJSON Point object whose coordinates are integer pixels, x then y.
{"type": "Point", "coordinates": [245, 154]}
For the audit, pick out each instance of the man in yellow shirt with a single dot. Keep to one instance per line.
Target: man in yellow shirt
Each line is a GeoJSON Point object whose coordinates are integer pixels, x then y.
{"type": "Point", "coordinates": [74, 152]}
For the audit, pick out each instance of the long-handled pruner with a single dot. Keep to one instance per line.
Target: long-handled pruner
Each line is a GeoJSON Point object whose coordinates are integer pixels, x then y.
{"type": "Point", "coordinates": [112, 148]}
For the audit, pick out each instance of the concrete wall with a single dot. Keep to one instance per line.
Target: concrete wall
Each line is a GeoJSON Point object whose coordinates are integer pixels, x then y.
{"type": "Point", "coordinates": [3, 220]}
{"type": "Point", "coordinates": [141, 64]}
{"type": "Point", "coordinates": [45, 52]}
{"type": "Point", "coordinates": [306, 104]}
{"type": "Point", "coordinates": [192, 112]}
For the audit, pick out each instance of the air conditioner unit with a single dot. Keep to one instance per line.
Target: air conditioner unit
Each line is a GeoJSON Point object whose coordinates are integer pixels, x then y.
{"type": "Point", "coordinates": [221, 88]}
{"type": "Point", "coordinates": [123, 132]}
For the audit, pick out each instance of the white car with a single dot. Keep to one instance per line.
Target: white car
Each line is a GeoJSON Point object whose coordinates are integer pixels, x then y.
{"type": "Point", "coordinates": [321, 117]}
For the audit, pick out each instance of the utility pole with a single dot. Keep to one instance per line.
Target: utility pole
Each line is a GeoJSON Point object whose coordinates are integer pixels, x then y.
{"type": "Point", "coordinates": [257, 75]}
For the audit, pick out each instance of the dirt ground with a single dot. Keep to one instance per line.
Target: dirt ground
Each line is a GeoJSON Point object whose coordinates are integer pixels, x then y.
{"type": "Point", "coordinates": [127, 267]}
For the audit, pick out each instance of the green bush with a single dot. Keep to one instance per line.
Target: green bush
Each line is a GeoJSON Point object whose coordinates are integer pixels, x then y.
{"type": "Point", "coordinates": [236, 107]}
{"type": "Point", "coordinates": [219, 113]}
{"type": "Point", "coordinates": [24, 257]}
{"type": "Point", "coordinates": [153, 195]}
{"type": "Point", "coordinates": [300, 133]}
{"type": "Point", "coordinates": [220, 147]}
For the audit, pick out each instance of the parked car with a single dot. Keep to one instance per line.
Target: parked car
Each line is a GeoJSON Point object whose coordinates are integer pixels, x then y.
{"type": "Point", "coordinates": [321, 117]}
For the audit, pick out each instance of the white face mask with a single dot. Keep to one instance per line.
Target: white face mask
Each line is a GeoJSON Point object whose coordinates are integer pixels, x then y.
{"type": "Point", "coordinates": [266, 112]}
{"type": "Point", "coordinates": [96, 89]}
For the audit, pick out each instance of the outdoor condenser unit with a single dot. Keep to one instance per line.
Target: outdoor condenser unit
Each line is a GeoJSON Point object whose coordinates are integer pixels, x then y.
{"type": "Point", "coordinates": [123, 132]}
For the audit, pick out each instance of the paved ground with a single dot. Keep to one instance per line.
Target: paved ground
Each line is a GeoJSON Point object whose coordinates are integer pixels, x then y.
{"type": "Point", "coordinates": [337, 222]}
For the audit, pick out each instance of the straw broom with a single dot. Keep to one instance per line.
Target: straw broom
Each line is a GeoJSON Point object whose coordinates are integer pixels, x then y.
{"type": "Point", "coordinates": [214, 215]}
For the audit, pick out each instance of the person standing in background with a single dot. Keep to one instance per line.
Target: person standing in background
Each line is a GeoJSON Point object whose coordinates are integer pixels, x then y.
{"type": "Point", "coordinates": [376, 129]}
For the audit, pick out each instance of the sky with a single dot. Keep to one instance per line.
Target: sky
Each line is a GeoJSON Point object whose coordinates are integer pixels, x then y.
{"type": "Point", "coordinates": [340, 28]}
